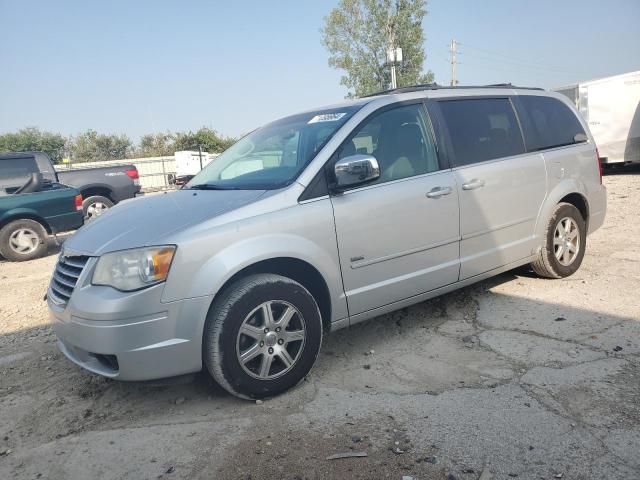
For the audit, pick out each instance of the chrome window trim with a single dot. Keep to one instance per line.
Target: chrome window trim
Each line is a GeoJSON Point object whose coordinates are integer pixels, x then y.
{"type": "Point", "coordinates": [391, 182]}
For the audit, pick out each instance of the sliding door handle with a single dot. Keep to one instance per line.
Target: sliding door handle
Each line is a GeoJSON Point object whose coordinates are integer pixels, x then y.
{"type": "Point", "coordinates": [473, 184]}
{"type": "Point", "coordinates": [438, 192]}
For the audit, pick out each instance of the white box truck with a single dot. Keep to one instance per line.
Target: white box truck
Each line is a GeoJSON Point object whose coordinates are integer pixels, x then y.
{"type": "Point", "coordinates": [611, 107]}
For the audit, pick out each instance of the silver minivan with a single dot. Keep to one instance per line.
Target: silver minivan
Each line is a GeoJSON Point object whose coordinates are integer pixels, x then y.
{"type": "Point", "coordinates": [324, 219]}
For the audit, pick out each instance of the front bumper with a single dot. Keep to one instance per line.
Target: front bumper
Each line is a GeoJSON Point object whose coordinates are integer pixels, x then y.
{"type": "Point", "coordinates": [132, 335]}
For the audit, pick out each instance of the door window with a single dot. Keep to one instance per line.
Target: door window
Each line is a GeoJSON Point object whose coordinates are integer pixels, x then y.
{"type": "Point", "coordinates": [482, 129]}
{"type": "Point", "coordinates": [553, 124]}
{"type": "Point", "coordinates": [400, 139]}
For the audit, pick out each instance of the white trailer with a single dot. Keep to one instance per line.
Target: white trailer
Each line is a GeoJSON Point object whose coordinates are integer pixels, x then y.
{"type": "Point", "coordinates": [611, 107]}
{"type": "Point", "coordinates": [191, 162]}
{"type": "Point", "coordinates": [188, 164]}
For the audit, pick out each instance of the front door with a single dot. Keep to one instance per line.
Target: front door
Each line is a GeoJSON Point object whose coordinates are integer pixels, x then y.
{"type": "Point", "coordinates": [399, 236]}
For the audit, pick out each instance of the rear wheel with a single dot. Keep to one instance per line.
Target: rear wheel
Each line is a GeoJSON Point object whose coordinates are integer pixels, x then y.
{"type": "Point", "coordinates": [565, 242]}
{"type": "Point", "coordinates": [22, 240]}
{"type": "Point", "coordinates": [95, 205]}
{"type": "Point", "coordinates": [262, 336]}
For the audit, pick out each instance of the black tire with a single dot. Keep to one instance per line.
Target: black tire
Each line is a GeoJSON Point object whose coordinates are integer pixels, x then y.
{"type": "Point", "coordinates": [227, 315]}
{"type": "Point", "coordinates": [7, 249]}
{"type": "Point", "coordinates": [547, 265]}
{"type": "Point", "coordinates": [92, 201]}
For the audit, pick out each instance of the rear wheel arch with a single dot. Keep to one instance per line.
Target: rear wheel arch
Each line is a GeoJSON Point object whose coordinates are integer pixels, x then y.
{"type": "Point", "coordinates": [97, 191]}
{"type": "Point", "coordinates": [580, 202]}
{"type": "Point", "coordinates": [568, 190]}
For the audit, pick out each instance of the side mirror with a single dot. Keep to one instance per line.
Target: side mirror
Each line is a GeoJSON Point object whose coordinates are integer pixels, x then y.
{"type": "Point", "coordinates": [355, 170]}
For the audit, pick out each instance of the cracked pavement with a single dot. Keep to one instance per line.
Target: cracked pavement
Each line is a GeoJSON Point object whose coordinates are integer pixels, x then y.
{"type": "Point", "coordinates": [517, 376]}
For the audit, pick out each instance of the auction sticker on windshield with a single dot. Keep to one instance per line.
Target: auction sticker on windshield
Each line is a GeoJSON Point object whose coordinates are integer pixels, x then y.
{"type": "Point", "coordinates": [327, 117]}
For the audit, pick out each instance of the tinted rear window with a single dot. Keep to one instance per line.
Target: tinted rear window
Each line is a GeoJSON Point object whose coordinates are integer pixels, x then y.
{"type": "Point", "coordinates": [553, 124]}
{"type": "Point", "coordinates": [482, 129]}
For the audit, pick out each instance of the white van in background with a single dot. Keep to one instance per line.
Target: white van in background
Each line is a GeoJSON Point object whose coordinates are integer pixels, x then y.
{"type": "Point", "coordinates": [611, 107]}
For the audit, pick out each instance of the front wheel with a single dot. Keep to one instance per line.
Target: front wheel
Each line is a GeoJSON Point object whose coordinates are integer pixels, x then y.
{"type": "Point", "coordinates": [262, 336]}
{"type": "Point", "coordinates": [23, 240]}
{"type": "Point", "coordinates": [565, 242]}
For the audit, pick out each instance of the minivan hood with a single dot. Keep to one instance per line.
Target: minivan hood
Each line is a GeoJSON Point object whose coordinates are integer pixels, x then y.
{"type": "Point", "coordinates": [145, 221]}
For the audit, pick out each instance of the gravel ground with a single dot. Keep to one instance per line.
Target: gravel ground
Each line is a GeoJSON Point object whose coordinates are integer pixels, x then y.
{"type": "Point", "coordinates": [517, 377]}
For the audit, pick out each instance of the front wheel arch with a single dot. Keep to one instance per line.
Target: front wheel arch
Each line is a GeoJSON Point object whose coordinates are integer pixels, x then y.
{"type": "Point", "coordinates": [295, 269]}
{"type": "Point", "coordinates": [27, 216]}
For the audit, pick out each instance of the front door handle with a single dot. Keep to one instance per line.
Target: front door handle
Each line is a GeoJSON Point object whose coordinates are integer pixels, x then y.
{"type": "Point", "coordinates": [438, 192]}
{"type": "Point", "coordinates": [473, 184]}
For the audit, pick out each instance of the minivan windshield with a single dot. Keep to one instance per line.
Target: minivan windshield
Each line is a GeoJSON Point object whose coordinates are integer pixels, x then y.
{"type": "Point", "coordinates": [272, 156]}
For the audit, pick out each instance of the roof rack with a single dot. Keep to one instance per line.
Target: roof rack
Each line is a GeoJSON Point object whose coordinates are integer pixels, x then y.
{"type": "Point", "coordinates": [435, 86]}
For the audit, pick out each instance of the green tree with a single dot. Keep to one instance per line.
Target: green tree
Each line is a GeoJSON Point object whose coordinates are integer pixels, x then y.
{"type": "Point", "coordinates": [156, 145]}
{"type": "Point", "coordinates": [32, 139]}
{"type": "Point", "coordinates": [210, 141]}
{"type": "Point", "coordinates": [92, 146]}
{"type": "Point", "coordinates": [358, 34]}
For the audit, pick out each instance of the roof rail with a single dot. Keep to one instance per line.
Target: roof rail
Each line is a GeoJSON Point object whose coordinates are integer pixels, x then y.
{"type": "Point", "coordinates": [435, 86]}
{"type": "Point", "coordinates": [407, 89]}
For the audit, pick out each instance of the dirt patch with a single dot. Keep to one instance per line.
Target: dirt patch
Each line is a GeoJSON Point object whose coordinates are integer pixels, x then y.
{"type": "Point", "coordinates": [304, 454]}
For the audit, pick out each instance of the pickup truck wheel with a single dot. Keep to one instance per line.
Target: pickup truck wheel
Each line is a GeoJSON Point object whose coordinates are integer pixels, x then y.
{"type": "Point", "coordinates": [95, 206]}
{"type": "Point", "coordinates": [564, 243]}
{"type": "Point", "coordinates": [22, 240]}
{"type": "Point", "coordinates": [262, 336]}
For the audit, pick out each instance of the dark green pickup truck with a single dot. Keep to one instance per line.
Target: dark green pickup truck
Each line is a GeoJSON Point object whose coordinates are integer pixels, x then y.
{"type": "Point", "coordinates": [32, 208]}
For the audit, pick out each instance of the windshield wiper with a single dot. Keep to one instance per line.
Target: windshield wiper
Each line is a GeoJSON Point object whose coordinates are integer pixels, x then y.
{"type": "Point", "coordinates": [209, 186]}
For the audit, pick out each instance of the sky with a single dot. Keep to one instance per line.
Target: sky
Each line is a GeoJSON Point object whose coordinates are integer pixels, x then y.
{"type": "Point", "coordinates": [143, 66]}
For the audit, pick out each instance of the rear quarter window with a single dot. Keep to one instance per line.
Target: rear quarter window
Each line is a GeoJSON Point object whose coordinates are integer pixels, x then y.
{"type": "Point", "coordinates": [481, 129]}
{"type": "Point", "coordinates": [14, 172]}
{"type": "Point", "coordinates": [551, 123]}
{"type": "Point", "coordinates": [17, 167]}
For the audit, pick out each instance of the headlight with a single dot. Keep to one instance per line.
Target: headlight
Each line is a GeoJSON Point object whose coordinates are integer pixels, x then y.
{"type": "Point", "coordinates": [134, 269]}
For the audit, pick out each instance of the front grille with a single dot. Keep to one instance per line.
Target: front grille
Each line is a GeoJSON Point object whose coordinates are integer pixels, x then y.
{"type": "Point", "coordinates": [65, 277]}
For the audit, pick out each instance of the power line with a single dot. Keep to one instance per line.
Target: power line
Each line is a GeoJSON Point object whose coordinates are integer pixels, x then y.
{"type": "Point", "coordinates": [515, 69]}
{"type": "Point", "coordinates": [490, 54]}
{"type": "Point", "coordinates": [522, 66]}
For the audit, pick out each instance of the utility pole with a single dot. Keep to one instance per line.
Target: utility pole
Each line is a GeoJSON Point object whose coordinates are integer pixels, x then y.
{"type": "Point", "coordinates": [394, 83]}
{"type": "Point", "coordinates": [453, 48]}
{"type": "Point", "coordinates": [394, 55]}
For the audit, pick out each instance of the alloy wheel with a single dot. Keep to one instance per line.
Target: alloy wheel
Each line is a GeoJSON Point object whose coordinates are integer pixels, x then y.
{"type": "Point", "coordinates": [270, 340]}
{"type": "Point", "coordinates": [566, 241]}
{"type": "Point", "coordinates": [96, 209]}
